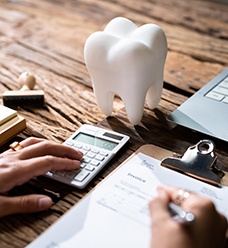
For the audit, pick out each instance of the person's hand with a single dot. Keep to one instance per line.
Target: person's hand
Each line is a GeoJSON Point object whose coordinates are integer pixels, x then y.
{"type": "Point", "coordinates": [208, 229]}
{"type": "Point", "coordinates": [36, 157]}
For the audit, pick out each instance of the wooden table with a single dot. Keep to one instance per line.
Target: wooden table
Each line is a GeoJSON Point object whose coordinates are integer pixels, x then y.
{"type": "Point", "coordinates": [47, 38]}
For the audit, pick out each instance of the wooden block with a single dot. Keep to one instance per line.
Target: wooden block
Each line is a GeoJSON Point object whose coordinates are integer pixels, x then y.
{"type": "Point", "coordinates": [11, 124]}
{"type": "Point", "coordinates": [6, 114]}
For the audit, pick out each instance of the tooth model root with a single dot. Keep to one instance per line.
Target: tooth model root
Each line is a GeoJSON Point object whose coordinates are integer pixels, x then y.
{"type": "Point", "coordinates": [127, 61]}
{"type": "Point", "coordinates": [105, 101]}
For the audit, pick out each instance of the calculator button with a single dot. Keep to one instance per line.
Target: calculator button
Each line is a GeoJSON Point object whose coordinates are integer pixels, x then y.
{"type": "Point", "coordinates": [83, 151]}
{"type": "Point", "coordinates": [89, 167]}
{"type": "Point", "coordinates": [60, 173]}
{"type": "Point", "coordinates": [87, 148]}
{"type": "Point", "coordinates": [95, 162]}
{"type": "Point", "coordinates": [99, 157]}
{"type": "Point", "coordinates": [82, 165]}
{"type": "Point", "coordinates": [71, 174]}
{"type": "Point", "coordinates": [69, 143]}
{"type": "Point", "coordinates": [81, 175]}
{"type": "Point", "coordinates": [103, 153]}
{"type": "Point", "coordinates": [90, 154]}
{"type": "Point", "coordinates": [86, 160]}
{"type": "Point", "coordinates": [49, 173]}
{"type": "Point", "coordinates": [78, 146]}
{"type": "Point", "coordinates": [94, 150]}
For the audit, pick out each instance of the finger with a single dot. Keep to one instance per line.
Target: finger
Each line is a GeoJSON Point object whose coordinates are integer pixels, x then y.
{"type": "Point", "coordinates": [188, 200]}
{"type": "Point", "coordinates": [24, 204]}
{"type": "Point", "coordinates": [159, 207]}
{"type": "Point", "coordinates": [178, 195]}
{"type": "Point", "coordinates": [50, 148]}
{"type": "Point", "coordinates": [171, 191]}
{"type": "Point", "coordinates": [27, 142]}
{"type": "Point", "coordinates": [49, 163]}
{"type": "Point", "coordinates": [27, 169]}
{"type": "Point", "coordinates": [31, 141]}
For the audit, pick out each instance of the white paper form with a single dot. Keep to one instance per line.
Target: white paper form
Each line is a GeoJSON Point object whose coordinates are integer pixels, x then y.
{"type": "Point", "coordinates": [116, 213]}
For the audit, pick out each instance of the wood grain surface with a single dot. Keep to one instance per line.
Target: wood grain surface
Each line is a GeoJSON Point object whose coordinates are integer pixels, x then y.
{"type": "Point", "coordinates": [47, 38]}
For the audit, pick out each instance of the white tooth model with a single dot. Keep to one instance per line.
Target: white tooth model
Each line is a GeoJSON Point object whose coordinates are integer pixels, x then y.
{"type": "Point", "coordinates": [127, 61]}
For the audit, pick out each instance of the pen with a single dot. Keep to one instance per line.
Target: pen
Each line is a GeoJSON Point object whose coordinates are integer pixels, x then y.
{"type": "Point", "coordinates": [180, 215]}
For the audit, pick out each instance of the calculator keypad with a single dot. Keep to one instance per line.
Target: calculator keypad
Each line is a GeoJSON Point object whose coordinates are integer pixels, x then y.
{"type": "Point", "coordinates": [98, 146]}
{"type": "Point", "coordinates": [92, 159]}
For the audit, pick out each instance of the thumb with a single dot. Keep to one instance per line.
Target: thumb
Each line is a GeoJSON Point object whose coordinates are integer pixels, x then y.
{"type": "Point", "coordinates": [159, 206]}
{"type": "Point", "coordinates": [24, 204]}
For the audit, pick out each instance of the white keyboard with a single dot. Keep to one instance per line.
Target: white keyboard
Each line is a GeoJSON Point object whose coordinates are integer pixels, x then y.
{"type": "Point", "coordinates": [220, 91]}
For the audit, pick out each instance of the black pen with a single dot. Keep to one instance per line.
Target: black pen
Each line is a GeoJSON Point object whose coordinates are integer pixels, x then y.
{"type": "Point", "coordinates": [180, 215]}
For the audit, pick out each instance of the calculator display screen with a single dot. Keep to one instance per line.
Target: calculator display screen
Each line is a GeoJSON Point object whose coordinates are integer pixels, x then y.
{"type": "Point", "coordinates": [96, 141]}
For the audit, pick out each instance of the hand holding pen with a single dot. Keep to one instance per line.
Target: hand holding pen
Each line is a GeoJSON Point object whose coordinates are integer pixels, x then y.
{"type": "Point", "coordinates": [177, 212]}
{"type": "Point", "coordinates": [206, 227]}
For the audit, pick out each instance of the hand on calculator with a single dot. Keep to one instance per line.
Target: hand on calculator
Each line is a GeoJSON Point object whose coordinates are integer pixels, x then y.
{"type": "Point", "coordinates": [32, 157]}
{"type": "Point", "coordinates": [98, 145]}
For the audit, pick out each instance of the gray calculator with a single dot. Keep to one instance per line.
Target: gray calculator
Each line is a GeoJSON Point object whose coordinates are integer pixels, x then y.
{"type": "Point", "coordinates": [98, 145]}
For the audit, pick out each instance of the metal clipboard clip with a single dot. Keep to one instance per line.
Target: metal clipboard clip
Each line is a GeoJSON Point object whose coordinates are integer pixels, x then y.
{"type": "Point", "coordinates": [198, 162]}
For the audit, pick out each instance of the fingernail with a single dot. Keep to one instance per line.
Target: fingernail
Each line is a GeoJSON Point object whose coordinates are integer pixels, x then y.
{"type": "Point", "coordinates": [81, 153]}
{"type": "Point", "coordinates": [45, 202]}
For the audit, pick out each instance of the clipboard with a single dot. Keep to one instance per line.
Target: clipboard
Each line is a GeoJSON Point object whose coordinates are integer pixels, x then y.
{"type": "Point", "coordinates": [198, 161]}
{"type": "Point", "coordinates": [115, 213]}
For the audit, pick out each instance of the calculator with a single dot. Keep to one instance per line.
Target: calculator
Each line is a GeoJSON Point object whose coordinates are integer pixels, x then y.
{"type": "Point", "coordinates": [98, 145]}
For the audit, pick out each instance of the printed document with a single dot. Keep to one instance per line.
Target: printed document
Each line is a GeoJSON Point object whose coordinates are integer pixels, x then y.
{"type": "Point", "coordinates": [116, 213]}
